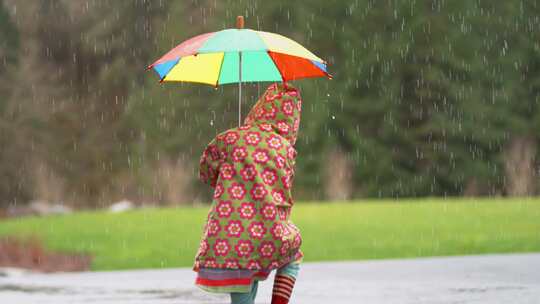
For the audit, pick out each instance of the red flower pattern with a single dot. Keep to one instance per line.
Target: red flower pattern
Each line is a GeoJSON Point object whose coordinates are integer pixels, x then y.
{"type": "Point", "coordinates": [243, 248]}
{"type": "Point", "coordinates": [283, 127]}
{"type": "Point", "coordinates": [231, 264]}
{"type": "Point", "coordinates": [267, 249]}
{"type": "Point", "coordinates": [203, 247]}
{"type": "Point", "coordinates": [258, 192]}
{"type": "Point", "coordinates": [268, 211]}
{"type": "Point", "coordinates": [237, 191]}
{"type": "Point", "coordinates": [296, 125]}
{"type": "Point", "coordinates": [277, 231]}
{"type": "Point", "coordinates": [297, 241]}
{"type": "Point", "coordinates": [231, 137]}
{"type": "Point", "coordinates": [265, 127]}
{"type": "Point", "coordinates": [254, 265]}
{"type": "Point", "coordinates": [213, 227]}
{"type": "Point", "coordinates": [239, 154]}
{"type": "Point", "coordinates": [273, 265]}
{"type": "Point", "coordinates": [221, 247]}
{"type": "Point", "coordinates": [224, 209]}
{"type": "Point", "coordinates": [278, 196]}
{"type": "Point", "coordinates": [247, 210]}
{"type": "Point", "coordinates": [214, 152]}
{"type": "Point", "coordinates": [272, 96]}
{"type": "Point", "coordinates": [218, 191]}
{"type": "Point", "coordinates": [223, 154]}
{"type": "Point", "coordinates": [291, 152]}
{"type": "Point", "coordinates": [288, 107]}
{"type": "Point", "coordinates": [269, 176]}
{"type": "Point", "coordinates": [256, 230]}
{"type": "Point", "coordinates": [284, 249]}
{"type": "Point", "coordinates": [234, 228]}
{"type": "Point", "coordinates": [244, 127]}
{"type": "Point", "coordinates": [280, 161]}
{"type": "Point", "coordinates": [274, 142]}
{"type": "Point", "coordinates": [248, 173]}
{"type": "Point", "coordinates": [261, 156]}
{"type": "Point", "coordinates": [227, 172]}
{"type": "Point", "coordinates": [286, 181]}
{"type": "Point", "coordinates": [252, 138]}
{"type": "Point", "coordinates": [210, 263]}
{"type": "Point", "coordinates": [282, 213]}
{"type": "Point", "coordinates": [270, 113]}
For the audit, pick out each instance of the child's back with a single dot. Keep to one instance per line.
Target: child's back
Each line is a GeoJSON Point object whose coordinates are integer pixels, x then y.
{"type": "Point", "coordinates": [248, 232]}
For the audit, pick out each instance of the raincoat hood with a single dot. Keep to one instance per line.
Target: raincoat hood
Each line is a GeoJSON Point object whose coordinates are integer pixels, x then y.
{"type": "Point", "coordinates": [280, 107]}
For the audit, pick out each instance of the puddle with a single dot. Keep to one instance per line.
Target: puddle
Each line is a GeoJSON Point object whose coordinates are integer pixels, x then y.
{"type": "Point", "coordinates": [486, 289]}
{"type": "Point", "coordinates": [31, 289]}
{"type": "Point", "coordinates": [95, 295]}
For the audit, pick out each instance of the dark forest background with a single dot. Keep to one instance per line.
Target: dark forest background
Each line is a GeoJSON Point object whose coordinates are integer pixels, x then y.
{"type": "Point", "coordinates": [429, 98]}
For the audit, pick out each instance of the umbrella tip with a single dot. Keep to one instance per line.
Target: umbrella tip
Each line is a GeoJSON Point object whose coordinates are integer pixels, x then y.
{"type": "Point", "coordinates": [240, 22]}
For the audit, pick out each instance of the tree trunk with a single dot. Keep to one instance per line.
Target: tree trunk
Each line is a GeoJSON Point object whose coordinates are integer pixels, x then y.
{"type": "Point", "coordinates": [338, 181]}
{"type": "Point", "coordinates": [519, 164]}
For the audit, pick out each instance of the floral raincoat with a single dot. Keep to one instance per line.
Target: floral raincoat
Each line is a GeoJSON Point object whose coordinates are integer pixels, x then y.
{"type": "Point", "coordinates": [251, 169]}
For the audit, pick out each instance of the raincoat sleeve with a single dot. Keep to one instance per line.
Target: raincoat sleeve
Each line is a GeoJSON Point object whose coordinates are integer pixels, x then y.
{"type": "Point", "coordinates": [209, 164]}
{"type": "Point", "coordinates": [291, 161]}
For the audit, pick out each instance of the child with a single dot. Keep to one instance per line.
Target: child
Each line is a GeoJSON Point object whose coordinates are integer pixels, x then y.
{"type": "Point", "coordinates": [248, 232]}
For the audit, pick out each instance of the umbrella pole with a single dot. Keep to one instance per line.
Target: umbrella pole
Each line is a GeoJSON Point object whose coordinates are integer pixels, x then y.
{"type": "Point", "coordinates": [240, 89]}
{"type": "Point", "coordinates": [240, 25]}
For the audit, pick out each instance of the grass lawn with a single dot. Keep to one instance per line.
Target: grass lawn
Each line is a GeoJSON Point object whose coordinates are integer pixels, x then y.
{"type": "Point", "coordinates": [331, 231]}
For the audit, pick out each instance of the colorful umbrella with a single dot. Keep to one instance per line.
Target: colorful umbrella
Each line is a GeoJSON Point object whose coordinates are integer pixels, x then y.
{"type": "Point", "coordinates": [236, 56]}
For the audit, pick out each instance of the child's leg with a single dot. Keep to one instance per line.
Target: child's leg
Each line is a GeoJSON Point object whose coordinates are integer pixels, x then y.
{"type": "Point", "coordinates": [254, 291]}
{"type": "Point", "coordinates": [284, 283]}
{"type": "Point", "coordinates": [245, 298]}
{"type": "Point", "coordinates": [290, 269]}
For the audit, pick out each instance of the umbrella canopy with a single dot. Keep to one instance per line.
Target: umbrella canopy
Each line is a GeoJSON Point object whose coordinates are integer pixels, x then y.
{"type": "Point", "coordinates": [238, 55]}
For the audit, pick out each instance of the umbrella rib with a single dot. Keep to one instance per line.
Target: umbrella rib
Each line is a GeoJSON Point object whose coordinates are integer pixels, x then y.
{"type": "Point", "coordinates": [162, 79]}
{"type": "Point", "coordinates": [277, 67]}
{"type": "Point", "coordinates": [220, 69]}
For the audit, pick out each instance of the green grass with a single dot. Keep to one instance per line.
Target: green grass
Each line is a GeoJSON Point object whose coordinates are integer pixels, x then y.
{"type": "Point", "coordinates": [331, 231]}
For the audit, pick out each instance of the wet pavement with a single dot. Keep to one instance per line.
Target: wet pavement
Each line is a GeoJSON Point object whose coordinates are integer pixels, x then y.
{"type": "Point", "coordinates": [492, 279]}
